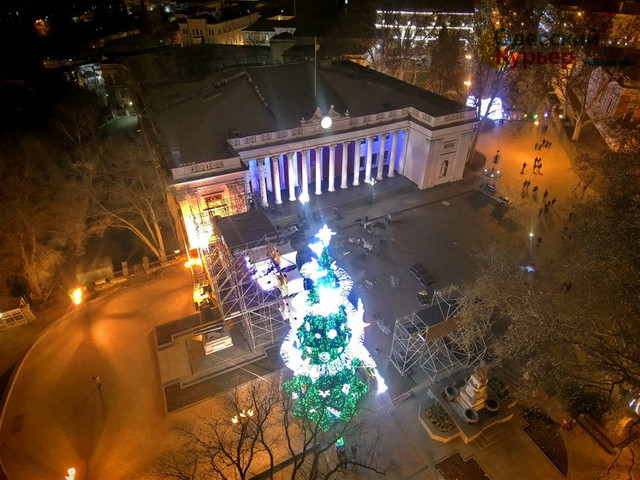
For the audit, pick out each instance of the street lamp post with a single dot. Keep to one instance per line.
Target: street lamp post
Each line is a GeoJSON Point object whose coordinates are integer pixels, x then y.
{"type": "Point", "coordinates": [372, 192]}
{"type": "Point", "coordinates": [77, 297]}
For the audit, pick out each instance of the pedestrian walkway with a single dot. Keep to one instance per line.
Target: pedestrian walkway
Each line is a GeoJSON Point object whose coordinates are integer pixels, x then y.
{"type": "Point", "coordinates": [56, 417]}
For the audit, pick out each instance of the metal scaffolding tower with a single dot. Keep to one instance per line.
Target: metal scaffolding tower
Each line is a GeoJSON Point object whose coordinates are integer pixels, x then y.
{"type": "Point", "coordinates": [430, 343]}
{"type": "Point", "coordinates": [243, 301]}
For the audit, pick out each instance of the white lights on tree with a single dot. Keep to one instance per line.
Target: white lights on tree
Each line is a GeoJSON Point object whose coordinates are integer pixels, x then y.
{"type": "Point", "coordinates": [325, 235]}
{"type": "Point", "coordinates": [333, 412]}
{"type": "Point", "coordinates": [330, 299]}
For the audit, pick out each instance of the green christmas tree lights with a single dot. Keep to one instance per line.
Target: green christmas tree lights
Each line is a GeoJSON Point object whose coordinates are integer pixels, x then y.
{"type": "Point", "coordinates": [325, 345]}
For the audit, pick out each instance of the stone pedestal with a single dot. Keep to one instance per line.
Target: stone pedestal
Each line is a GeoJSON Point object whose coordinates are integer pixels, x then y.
{"type": "Point", "coordinates": [474, 394]}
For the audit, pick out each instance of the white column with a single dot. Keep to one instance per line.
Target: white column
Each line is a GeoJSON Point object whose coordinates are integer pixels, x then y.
{"type": "Point", "coordinates": [268, 161]}
{"type": "Point", "coordinates": [263, 183]}
{"type": "Point", "coordinates": [345, 162]}
{"type": "Point", "coordinates": [356, 164]}
{"type": "Point", "coordinates": [308, 157]}
{"type": "Point", "coordinates": [254, 175]}
{"type": "Point", "coordinates": [305, 174]}
{"type": "Point", "coordinates": [402, 152]}
{"type": "Point", "coordinates": [247, 184]}
{"type": "Point", "coordinates": [392, 155]}
{"type": "Point", "coordinates": [332, 167]}
{"type": "Point", "coordinates": [381, 150]}
{"type": "Point", "coordinates": [292, 181]}
{"type": "Point", "coordinates": [367, 168]}
{"type": "Point", "coordinates": [276, 179]}
{"type": "Point", "coordinates": [319, 171]}
{"type": "Point", "coordinates": [282, 166]}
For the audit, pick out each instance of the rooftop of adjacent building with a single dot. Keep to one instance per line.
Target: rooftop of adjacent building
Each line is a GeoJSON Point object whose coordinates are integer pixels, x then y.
{"type": "Point", "coordinates": [197, 118]}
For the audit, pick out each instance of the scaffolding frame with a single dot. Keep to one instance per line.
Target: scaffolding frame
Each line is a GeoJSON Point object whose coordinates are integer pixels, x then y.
{"type": "Point", "coordinates": [217, 205]}
{"type": "Point", "coordinates": [439, 349]}
{"type": "Point", "coordinates": [241, 300]}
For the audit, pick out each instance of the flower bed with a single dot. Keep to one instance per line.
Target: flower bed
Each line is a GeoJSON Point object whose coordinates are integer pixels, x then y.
{"type": "Point", "coordinates": [546, 435]}
{"type": "Point", "coordinates": [497, 385]}
{"type": "Point", "coordinates": [455, 468]}
{"type": "Point", "coordinates": [439, 418]}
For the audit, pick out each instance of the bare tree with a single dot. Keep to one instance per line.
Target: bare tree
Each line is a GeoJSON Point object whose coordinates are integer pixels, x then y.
{"type": "Point", "coordinates": [77, 117]}
{"type": "Point", "coordinates": [567, 312]}
{"type": "Point", "coordinates": [253, 435]}
{"type": "Point", "coordinates": [121, 181]}
{"type": "Point", "coordinates": [583, 89]}
{"type": "Point", "coordinates": [41, 213]}
{"type": "Point", "coordinates": [446, 64]}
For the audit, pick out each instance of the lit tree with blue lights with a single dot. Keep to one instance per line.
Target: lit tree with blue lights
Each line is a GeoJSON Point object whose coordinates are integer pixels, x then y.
{"type": "Point", "coordinates": [325, 345]}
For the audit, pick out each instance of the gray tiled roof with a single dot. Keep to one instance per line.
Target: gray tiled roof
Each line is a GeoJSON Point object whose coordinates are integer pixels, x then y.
{"type": "Point", "coordinates": [200, 125]}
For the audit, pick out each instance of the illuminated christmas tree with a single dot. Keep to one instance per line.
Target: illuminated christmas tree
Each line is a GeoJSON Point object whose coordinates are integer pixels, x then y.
{"type": "Point", "coordinates": [325, 345]}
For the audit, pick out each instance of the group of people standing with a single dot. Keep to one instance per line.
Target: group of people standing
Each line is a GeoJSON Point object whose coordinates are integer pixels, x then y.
{"type": "Point", "coordinates": [537, 165]}
{"type": "Point", "coordinates": [544, 143]}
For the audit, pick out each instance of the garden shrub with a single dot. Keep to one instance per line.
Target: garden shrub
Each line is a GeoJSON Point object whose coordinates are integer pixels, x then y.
{"type": "Point", "coordinates": [499, 388]}
{"type": "Point", "coordinates": [580, 400]}
{"type": "Point", "coordinates": [439, 418]}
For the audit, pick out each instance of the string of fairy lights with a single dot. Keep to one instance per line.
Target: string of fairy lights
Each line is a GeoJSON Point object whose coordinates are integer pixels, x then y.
{"type": "Point", "coordinates": [325, 346]}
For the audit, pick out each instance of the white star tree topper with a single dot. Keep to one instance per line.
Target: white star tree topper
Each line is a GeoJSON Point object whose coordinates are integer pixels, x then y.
{"type": "Point", "coordinates": [325, 235]}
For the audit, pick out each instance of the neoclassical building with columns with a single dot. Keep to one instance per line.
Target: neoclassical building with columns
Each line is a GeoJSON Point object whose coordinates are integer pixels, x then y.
{"type": "Point", "coordinates": [263, 136]}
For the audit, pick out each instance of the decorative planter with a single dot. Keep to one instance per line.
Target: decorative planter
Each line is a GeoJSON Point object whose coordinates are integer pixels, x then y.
{"type": "Point", "coordinates": [451, 393]}
{"type": "Point", "coordinates": [471, 416]}
{"type": "Point", "coordinates": [492, 405]}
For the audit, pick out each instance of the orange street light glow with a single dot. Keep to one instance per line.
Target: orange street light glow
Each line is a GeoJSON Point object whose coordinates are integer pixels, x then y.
{"type": "Point", "coordinates": [192, 261]}
{"type": "Point", "coordinates": [76, 296]}
{"type": "Point", "coordinates": [71, 474]}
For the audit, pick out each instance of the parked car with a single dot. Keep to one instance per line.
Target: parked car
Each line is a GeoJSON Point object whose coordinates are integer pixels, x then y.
{"type": "Point", "coordinates": [487, 189]}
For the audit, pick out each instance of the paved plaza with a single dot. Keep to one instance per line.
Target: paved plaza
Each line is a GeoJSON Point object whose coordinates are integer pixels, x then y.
{"type": "Point", "coordinates": [56, 416]}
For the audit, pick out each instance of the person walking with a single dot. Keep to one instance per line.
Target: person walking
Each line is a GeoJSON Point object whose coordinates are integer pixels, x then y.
{"type": "Point", "coordinates": [535, 190]}
{"type": "Point", "coordinates": [546, 194]}
{"type": "Point", "coordinates": [553, 200]}
{"type": "Point", "coordinates": [524, 185]}
{"type": "Point", "coordinates": [539, 166]}
{"type": "Point", "coordinates": [549, 145]}
{"type": "Point", "coordinates": [536, 146]}
{"type": "Point", "coordinates": [524, 165]}
{"type": "Point", "coordinates": [528, 184]}
{"type": "Point", "coordinates": [539, 240]}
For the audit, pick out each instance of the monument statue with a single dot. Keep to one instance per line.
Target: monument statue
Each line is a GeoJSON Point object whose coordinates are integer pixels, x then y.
{"type": "Point", "coordinates": [474, 393]}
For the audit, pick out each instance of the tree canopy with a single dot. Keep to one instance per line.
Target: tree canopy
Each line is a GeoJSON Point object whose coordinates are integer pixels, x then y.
{"type": "Point", "coordinates": [41, 213]}
{"type": "Point", "coordinates": [571, 321]}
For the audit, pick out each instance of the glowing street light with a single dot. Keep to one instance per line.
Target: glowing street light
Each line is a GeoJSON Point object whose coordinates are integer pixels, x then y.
{"type": "Point", "coordinates": [467, 83]}
{"type": "Point", "coordinates": [76, 296]}
{"type": "Point", "coordinates": [243, 414]}
{"type": "Point", "coordinates": [71, 474]}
